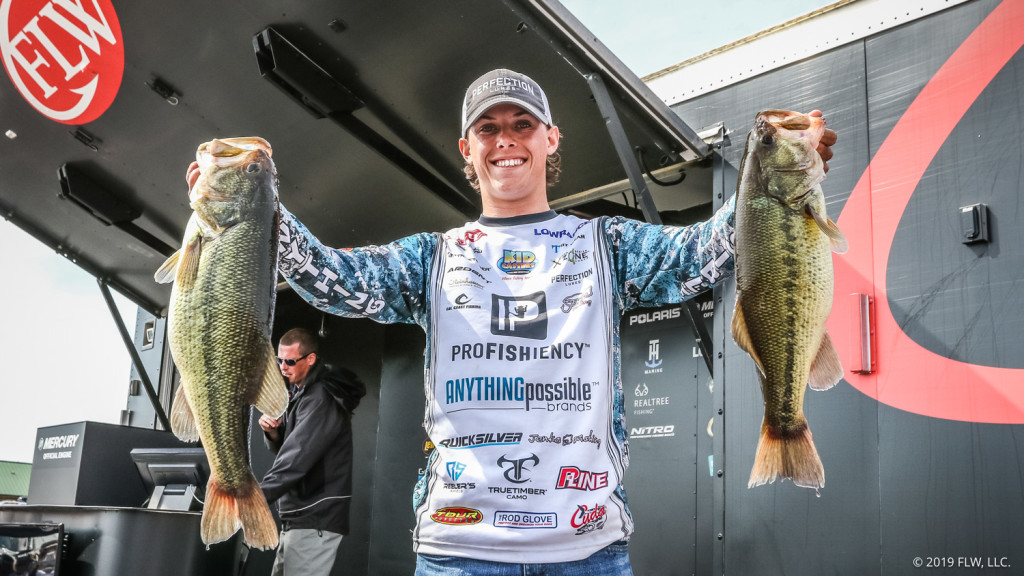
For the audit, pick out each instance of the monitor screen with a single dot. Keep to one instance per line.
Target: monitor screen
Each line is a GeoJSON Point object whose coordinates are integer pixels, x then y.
{"type": "Point", "coordinates": [176, 476]}
{"type": "Point", "coordinates": [25, 547]}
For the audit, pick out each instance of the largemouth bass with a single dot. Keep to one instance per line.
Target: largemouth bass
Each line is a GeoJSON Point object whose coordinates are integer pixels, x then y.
{"type": "Point", "coordinates": [219, 325]}
{"type": "Point", "coordinates": [784, 245]}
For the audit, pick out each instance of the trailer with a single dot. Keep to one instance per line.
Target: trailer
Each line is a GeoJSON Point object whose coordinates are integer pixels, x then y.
{"type": "Point", "coordinates": [108, 100]}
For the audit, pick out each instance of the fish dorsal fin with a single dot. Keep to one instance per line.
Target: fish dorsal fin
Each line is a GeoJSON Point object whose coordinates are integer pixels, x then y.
{"type": "Point", "coordinates": [835, 235]}
{"type": "Point", "coordinates": [188, 263]}
{"type": "Point", "coordinates": [826, 369]}
{"type": "Point", "coordinates": [742, 336]}
{"type": "Point", "coordinates": [272, 399]}
{"type": "Point", "coordinates": [166, 272]}
{"type": "Point", "coordinates": [183, 421]}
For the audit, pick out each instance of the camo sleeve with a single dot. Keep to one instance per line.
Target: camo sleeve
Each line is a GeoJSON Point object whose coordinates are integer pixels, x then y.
{"type": "Point", "coordinates": [655, 265]}
{"type": "Point", "coordinates": [386, 283]}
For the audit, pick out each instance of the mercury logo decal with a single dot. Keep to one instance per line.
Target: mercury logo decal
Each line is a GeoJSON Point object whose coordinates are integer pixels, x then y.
{"type": "Point", "coordinates": [66, 57]}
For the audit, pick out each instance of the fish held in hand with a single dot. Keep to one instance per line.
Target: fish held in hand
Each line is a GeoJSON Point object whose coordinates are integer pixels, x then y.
{"type": "Point", "coordinates": [219, 326]}
{"type": "Point", "coordinates": [784, 285]}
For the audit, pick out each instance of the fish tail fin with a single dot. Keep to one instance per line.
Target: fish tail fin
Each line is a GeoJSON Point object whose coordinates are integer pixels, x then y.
{"type": "Point", "coordinates": [790, 454]}
{"type": "Point", "coordinates": [224, 513]}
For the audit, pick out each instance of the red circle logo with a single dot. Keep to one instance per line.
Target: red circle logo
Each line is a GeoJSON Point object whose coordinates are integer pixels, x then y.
{"type": "Point", "coordinates": [66, 57]}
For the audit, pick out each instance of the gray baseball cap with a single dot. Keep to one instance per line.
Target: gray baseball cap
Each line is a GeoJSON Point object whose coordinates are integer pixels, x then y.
{"type": "Point", "coordinates": [501, 86]}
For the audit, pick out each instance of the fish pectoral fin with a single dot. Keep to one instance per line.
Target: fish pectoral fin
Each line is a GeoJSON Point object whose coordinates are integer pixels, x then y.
{"type": "Point", "coordinates": [742, 336]}
{"type": "Point", "coordinates": [827, 368]}
{"type": "Point", "coordinates": [183, 421]}
{"type": "Point", "coordinates": [188, 263]}
{"type": "Point", "coordinates": [166, 272]}
{"type": "Point", "coordinates": [835, 235]}
{"type": "Point", "coordinates": [272, 399]}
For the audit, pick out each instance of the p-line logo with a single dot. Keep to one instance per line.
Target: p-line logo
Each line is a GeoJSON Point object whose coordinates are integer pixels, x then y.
{"type": "Point", "coordinates": [520, 316]}
{"type": "Point", "coordinates": [66, 57]}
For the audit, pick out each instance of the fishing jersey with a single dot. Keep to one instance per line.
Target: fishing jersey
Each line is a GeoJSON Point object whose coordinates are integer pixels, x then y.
{"type": "Point", "coordinates": [524, 402]}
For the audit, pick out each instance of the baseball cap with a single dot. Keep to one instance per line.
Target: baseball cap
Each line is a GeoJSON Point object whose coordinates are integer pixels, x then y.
{"type": "Point", "coordinates": [498, 87]}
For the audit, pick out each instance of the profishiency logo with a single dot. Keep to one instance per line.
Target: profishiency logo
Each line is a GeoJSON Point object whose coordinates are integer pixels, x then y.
{"type": "Point", "coordinates": [66, 57]}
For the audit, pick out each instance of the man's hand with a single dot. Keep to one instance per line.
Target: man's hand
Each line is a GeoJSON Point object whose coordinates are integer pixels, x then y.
{"type": "Point", "coordinates": [269, 426]}
{"type": "Point", "coordinates": [824, 145]}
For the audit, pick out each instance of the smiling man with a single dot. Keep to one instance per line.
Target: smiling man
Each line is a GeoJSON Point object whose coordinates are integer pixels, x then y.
{"type": "Point", "coordinates": [521, 308]}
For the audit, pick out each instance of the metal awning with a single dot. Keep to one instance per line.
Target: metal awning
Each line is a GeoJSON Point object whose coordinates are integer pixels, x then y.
{"type": "Point", "coordinates": [110, 195]}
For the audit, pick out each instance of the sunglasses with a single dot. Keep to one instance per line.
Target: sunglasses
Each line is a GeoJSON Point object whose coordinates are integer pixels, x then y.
{"type": "Point", "coordinates": [291, 361]}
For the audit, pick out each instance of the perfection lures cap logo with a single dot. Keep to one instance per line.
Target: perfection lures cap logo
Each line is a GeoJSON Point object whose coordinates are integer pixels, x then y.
{"type": "Point", "coordinates": [66, 57]}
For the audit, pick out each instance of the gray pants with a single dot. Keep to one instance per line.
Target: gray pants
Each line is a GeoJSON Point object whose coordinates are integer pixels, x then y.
{"type": "Point", "coordinates": [306, 552]}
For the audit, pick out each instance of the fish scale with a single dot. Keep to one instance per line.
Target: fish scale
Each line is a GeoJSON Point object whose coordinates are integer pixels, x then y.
{"type": "Point", "coordinates": [784, 287]}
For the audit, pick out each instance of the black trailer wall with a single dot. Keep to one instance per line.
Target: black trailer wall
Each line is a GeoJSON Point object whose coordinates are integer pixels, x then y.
{"type": "Point", "coordinates": [903, 490]}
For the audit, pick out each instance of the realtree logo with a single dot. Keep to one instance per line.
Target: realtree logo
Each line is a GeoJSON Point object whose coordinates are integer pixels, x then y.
{"type": "Point", "coordinates": [66, 57]}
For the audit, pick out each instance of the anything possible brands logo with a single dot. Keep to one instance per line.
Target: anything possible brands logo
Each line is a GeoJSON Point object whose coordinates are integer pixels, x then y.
{"type": "Point", "coordinates": [571, 477]}
{"type": "Point", "coordinates": [525, 520]}
{"type": "Point", "coordinates": [517, 262]}
{"type": "Point", "coordinates": [457, 516]}
{"type": "Point", "coordinates": [586, 519]}
{"type": "Point", "coordinates": [515, 467]}
{"type": "Point", "coordinates": [515, 393]}
{"type": "Point", "coordinates": [520, 316]}
{"type": "Point", "coordinates": [66, 57]}
{"type": "Point", "coordinates": [481, 440]}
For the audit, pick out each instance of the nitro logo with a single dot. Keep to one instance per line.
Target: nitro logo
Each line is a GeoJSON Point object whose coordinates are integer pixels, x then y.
{"type": "Point", "coordinates": [517, 262]}
{"type": "Point", "coordinates": [653, 432]}
{"type": "Point", "coordinates": [457, 516]}
{"type": "Point", "coordinates": [653, 357]}
{"type": "Point", "coordinates": [649, 317]}
{"type": "Point", "coordinates": [571, 477]}
{"type": "Point", "coordinates": [586, 519]}
{"type": "Point", "coordinates": [514, 468]}
{"type": "Point", "coordinates": [52, 442]}
{"type": "Point", "coordinates": [66, 57]}
{"type": "Point", "coordinates": [520, 316]}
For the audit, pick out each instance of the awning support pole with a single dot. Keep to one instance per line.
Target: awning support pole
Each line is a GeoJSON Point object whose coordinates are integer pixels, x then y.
{"type": "Point", "coordinates": [647, 206]}
{"type": "Point", "coordinates": [136, 360]}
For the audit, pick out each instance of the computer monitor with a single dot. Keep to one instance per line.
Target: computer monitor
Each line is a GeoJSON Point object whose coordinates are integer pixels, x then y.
{"type": "Point", "coordinates": [175, 478]}
{"type": "Point", "coordinates": [25, 547]}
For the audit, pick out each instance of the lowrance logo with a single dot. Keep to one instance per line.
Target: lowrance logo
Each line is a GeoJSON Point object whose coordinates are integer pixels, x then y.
{"type": "Point", "coordinates": [54, 442]}
{"type": "Point", "coordinates": [66, 57]}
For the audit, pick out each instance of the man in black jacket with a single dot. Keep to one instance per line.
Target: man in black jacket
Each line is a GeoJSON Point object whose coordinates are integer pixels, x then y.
{"type": "Point", "coordinates": [311, 478]}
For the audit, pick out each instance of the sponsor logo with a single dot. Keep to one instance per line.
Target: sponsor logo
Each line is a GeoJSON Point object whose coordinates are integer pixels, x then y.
{"type": "Point", "coordinates": [515, 393]}
{"type": "Point", "coordinates": [460, 486]}
{"type": "Point", "coordinates": [571, 477]}
{"type": "Point", "coordinates": [570, 303]}
{"type": "Point", "coordinates": [463, 283]}
{"type": "Point", "coordinates": [455, 470]}
{"type": "Point", "coordinates": [654, 361]}
{"type": "Point", "coordinates": [566, 439]}
{"type": "Point", "coordinates": [457, 516]}
{"type": "Point", "coordinates": [573, 256]}
{"type": "Point", "coordinates": [517, 262]}
{"type": "Point", "coordinates": [514, 468]}
{"type": "Point", "coordinates": [560, 233]}
{"type": "Point", "coordinates": [520, 316]}
{"type": "Point", "coordinates": [516, 493]}
{"type": "Point", "coordinates": [51, 442]}
{"type": "Point", "coordinates": [463, 302]}
{"type": "Point", "coordinates": [586, 519]}
{"type": "Point", "coordinates": [525, 520]}
{"type": "Point", "coordinates": [469, 269]}
{"type": "Point", "coordinates": [515, 353]}
{"type": "Point", "coordinates": [66, 57]}
{"type": "Point", "coordinates": [427, 446]}
{"type": "Point", "coordinates": [469, 237]}
{"type": "Point", "coordinates": [648, 317]}
{"type": "Point", "coordinates": [570, 279]}
{"type": "Point", "coordinates": [641, 392]}
{"type": "Point", "coordinates": [480, 440]}
{"type": "Point", "coordinates": [652, 432]}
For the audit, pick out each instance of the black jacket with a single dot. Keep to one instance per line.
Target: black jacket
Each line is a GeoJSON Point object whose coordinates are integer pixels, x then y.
{"type": "Point", "coordinates": [311, 478]}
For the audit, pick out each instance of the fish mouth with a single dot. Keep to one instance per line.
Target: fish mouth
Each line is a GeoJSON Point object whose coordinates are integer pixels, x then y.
{"type": "Point", "coordinates": [222, 151]}
{"type": "Point", "coordinates": [798, 124]}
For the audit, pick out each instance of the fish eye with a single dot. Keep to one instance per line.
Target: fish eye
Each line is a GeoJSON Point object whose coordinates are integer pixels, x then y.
{"type": "Point", "coordinates": [252, 167]}
{"type": "Point", "coordinates": [767, 140]}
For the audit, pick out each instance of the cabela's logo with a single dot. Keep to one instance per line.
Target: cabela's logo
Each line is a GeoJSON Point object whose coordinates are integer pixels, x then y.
{"type": "Point", "coordinates": [457, 516]}
{"type": "Point", "coordinates": [66, 57]}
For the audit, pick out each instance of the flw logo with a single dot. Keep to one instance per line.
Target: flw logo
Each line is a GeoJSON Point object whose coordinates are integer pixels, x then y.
{"type": "Point", "coordinates": [66, 57]}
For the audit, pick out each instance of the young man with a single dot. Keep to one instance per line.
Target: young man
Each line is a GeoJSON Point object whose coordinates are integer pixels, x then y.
{"type": "Point", "coordinates": [521, 309]}
{"type": "Point", "coordinates": [311, 478]}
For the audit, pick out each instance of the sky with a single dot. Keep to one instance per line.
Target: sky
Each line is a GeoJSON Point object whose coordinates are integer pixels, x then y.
{"type": "Point", "coordinates": [63, 358]}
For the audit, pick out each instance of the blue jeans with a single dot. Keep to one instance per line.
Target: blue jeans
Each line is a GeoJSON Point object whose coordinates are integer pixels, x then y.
{"type": "Point", "coordinates": [612, 560]}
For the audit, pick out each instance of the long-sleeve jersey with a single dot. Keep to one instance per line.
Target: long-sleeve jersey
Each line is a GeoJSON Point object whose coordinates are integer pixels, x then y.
{"type": "Point", "coordinates": [524, 400]}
